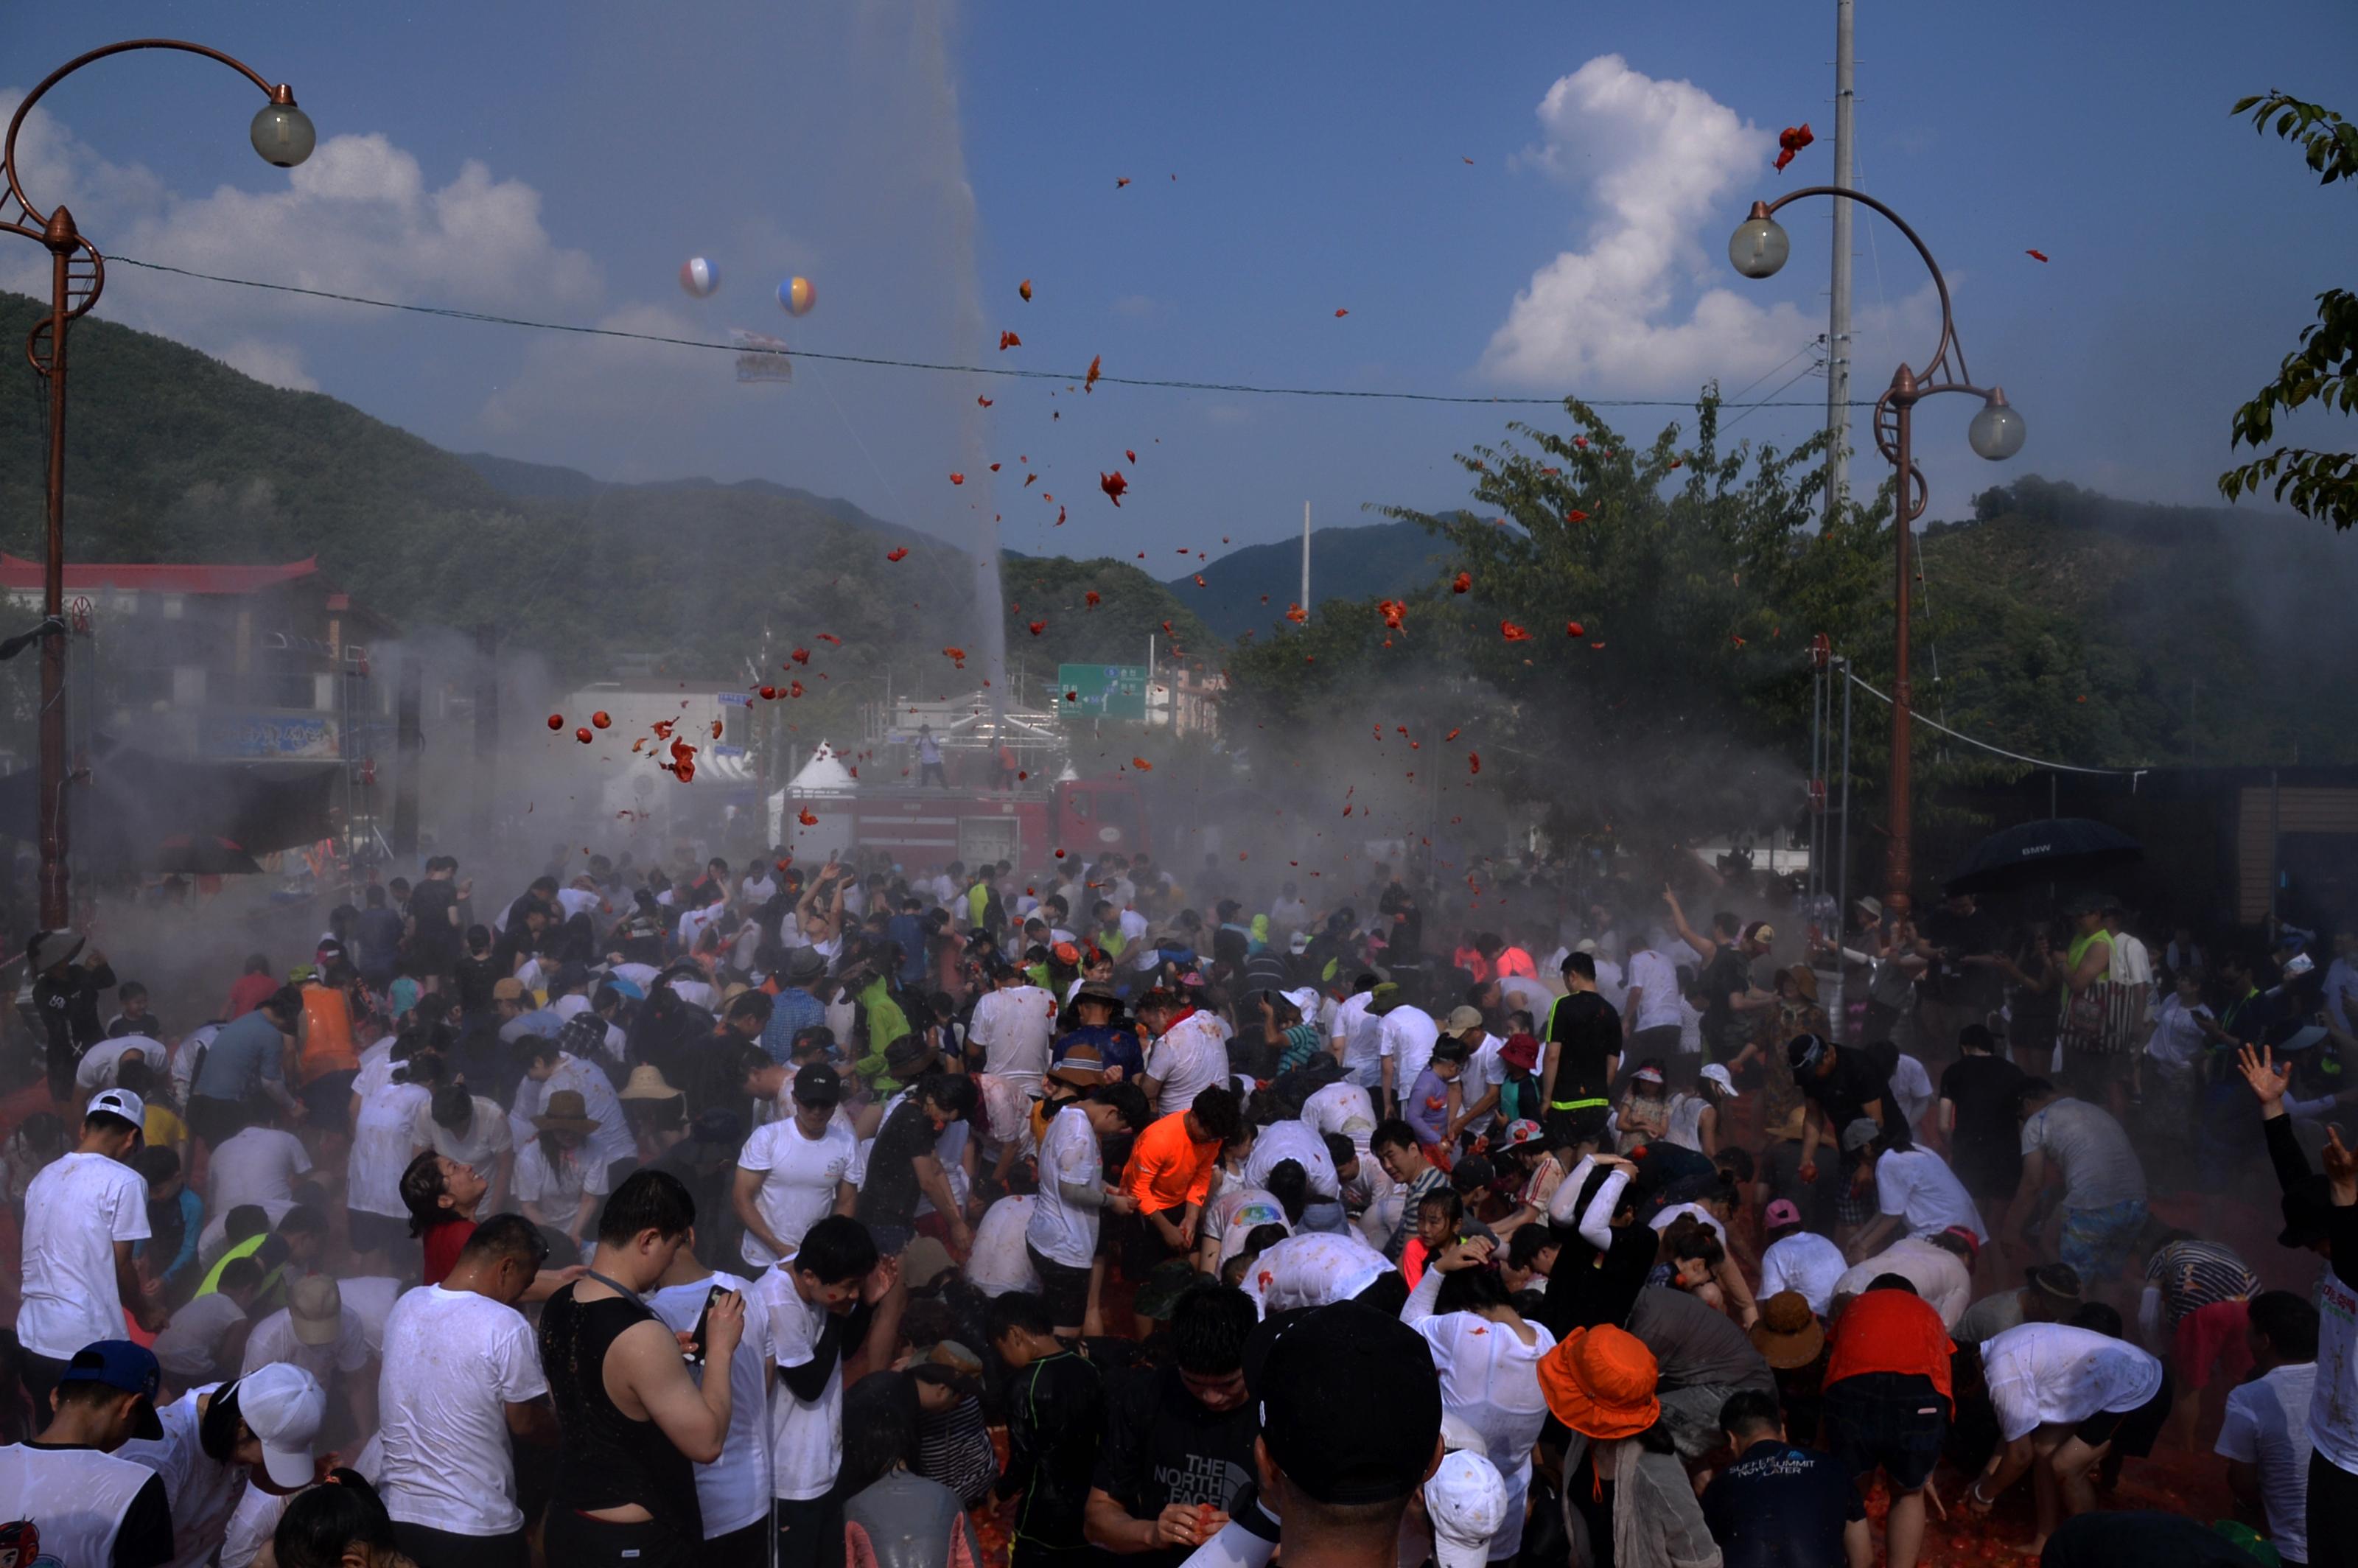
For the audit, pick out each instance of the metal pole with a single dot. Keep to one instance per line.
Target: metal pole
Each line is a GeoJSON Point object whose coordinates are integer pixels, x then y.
{"type": "Point", "coordinates": [53, 900]}
{"type": "Point", "coordinates": [1841, 851]}
{"type": "Point", "coordinates": [1305, 556]}
{"type": "Point", "coordinates": [1901, 864]}
{"type": "Point", "coordinates": [1838, 304]}
{"type": "Point", "coordinates": [1817, 778]}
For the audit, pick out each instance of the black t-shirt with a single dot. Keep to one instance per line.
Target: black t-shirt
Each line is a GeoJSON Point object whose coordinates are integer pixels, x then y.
{"type": "Point", "coordinates": [436, 945]}
{"type": "Point", "coordinates": [377, 934]}
{"type": "Point", "coordinates": [1845, 1094]}
{"type": "Point", "coordinates": [2137, 1540]}
{"type": "Point", "coordinates": [1162, 1447]}
{"type": "Point", "coordinates": [1984, 1090]}
{"type": "Point", "coordinates": [1781, 1505]}
{"type": "Point", "coordinates": [890, 1193]}
{"type": "Point", "coordinates": [1728, 972]}
{"type": "Point", "coordinates": [1961, 935]}
{"type": "Point", "coordinates": [1588, 1029]}
{"type": "Point", "coordinates": [1404, 939]}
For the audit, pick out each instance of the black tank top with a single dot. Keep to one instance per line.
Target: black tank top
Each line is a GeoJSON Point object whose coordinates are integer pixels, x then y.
{"type": "Point", "coordinates": [604, 1459]}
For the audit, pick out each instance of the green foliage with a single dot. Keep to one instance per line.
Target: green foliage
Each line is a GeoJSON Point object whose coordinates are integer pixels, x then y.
{"type": "Point", "coordinates": [2324, 369]}
{"type": "Point", "coordinates": [1131, 607]}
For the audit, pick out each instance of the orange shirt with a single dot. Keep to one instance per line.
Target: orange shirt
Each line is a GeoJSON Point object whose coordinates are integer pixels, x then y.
{"type": "Point", "coordinates": [327, 1033]}
{"type": "Point", "coordinates": [1167, 1168]}
{"type": "Point", "coordinates": [1891, 1331]}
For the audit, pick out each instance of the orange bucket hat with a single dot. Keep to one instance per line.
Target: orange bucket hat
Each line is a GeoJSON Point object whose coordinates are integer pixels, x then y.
{"type": "Point", "coordinates": [1600, 1382]}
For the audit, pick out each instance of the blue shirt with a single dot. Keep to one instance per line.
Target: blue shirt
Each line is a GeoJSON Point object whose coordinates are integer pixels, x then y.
{"type": "Point", "coordinates": [243, 1058]}
{"type": "Point", "coordinates": [908, 933]}
{"type": "Point", "coordinates": [1781, 1506]}
{"type": "Point", "coordinates": [794, 1011]}
{"type": "Point", "coordinates": [1120, 1047]}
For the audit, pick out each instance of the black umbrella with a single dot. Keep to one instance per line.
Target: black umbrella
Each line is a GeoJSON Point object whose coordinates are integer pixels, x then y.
{"type": "Point", "coordinates": [2058, 849]}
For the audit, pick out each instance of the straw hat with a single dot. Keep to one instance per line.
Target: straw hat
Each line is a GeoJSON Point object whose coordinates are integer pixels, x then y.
{"type": "Point", "coordinates": [647, 1082]}
{"type": "Point", "coordinates": [1600, 1382]}
{"type": "Point", "coordinates": [1788, 1334]}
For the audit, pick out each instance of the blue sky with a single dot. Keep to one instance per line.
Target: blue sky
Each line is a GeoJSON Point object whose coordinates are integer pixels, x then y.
{"type": "Point", "coordinates": [559, 160]}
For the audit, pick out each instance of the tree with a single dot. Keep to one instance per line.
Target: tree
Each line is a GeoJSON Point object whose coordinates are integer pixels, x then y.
{"type": "Point", "coordinates": [2324, 369]}
{"type": "Point", "coordinates": [1695, 575]}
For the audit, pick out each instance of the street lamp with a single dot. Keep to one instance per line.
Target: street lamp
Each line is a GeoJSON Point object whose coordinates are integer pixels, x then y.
{"type": "Point", "coordinates": [282, 134]}
{"type": "Point", "coordinates": [1757, 249]}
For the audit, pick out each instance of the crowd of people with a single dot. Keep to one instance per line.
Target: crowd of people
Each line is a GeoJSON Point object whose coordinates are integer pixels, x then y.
{"type": "Point", "coordinates": [930, 1217]}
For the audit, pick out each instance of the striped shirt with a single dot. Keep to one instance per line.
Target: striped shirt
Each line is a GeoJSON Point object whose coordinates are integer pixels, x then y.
{"type": "Point", "coordinates": [2195, 1274]}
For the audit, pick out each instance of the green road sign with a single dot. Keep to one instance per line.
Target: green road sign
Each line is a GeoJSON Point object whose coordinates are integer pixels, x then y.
{"type": "Point", "coordinates": [1102, 691]}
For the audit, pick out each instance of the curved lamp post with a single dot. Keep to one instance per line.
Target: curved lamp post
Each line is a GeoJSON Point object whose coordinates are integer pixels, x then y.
{"type": "Point", "coordinates": [1759, 249]}
{"type": "Point", "coordinates": [282, 134]}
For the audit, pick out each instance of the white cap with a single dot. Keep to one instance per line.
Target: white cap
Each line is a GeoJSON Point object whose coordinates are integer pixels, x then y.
{"type": "Point", "coordinates": [1718, 1073]}
{"type": "Point", "coordinates": [118, 1102]}
{"type": "Point", "coordinates": [283, 1405]}
{"type": "Point", "coordinates": [1305, 1002]}
{"type": "Point", "coordinates": [1467, 1502]}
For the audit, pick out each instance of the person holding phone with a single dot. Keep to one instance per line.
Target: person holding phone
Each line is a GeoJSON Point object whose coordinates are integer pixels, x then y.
{"type": "Point", "coordinates": [734, 1490]}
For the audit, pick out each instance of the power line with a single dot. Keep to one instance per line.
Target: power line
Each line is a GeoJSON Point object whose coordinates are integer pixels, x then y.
{"type": "Point", "coordinates": [1010, 371]}
{"type": "Point", "coordinates": [2130, 774]}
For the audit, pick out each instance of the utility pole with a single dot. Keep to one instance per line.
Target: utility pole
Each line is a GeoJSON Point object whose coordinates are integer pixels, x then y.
{"type": "Point", "coordinates": [1838, 305]}
{"type": "Point", "coordinates": [1305, 557]}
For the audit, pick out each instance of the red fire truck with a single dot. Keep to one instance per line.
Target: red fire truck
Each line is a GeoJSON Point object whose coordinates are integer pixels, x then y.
{"type": "Point", "coordinates": [920, 826]}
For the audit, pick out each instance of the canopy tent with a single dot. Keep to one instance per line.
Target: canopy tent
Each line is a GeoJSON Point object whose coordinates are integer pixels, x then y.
{"type": "Point", "coordinates": [139, 811]}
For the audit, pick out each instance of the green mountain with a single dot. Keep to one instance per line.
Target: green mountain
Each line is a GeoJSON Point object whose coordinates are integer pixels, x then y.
{"type": "Point", "coordinates": [172, 455]}
{"type": "Point", "coordinates": [1253, 587]}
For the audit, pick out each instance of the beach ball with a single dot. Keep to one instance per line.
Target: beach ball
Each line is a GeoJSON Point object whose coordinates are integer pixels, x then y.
{"type": "Point", "coordinates": [797, 294]}
{"type": "Point", "coordinates": [698, 277]}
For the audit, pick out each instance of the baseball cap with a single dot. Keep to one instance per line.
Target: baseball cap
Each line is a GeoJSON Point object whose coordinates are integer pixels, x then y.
{"type": "Point", "coordinates": [1782, 1212]}
{"type": "Point", "coordinates": [1305, 1001]}
{"type": "Point", "coordinates": [1586, 945]}
{"type": "Point", "coordinates": [1350, 1404]}
{"type": "Point", "coordinates": [129, 1368]}
{"type": "Point", "coordinates": [118, 1102]}
{"type": "Point", "coordinates": [1973, 1243]}
{"type": "Point", "coordinates": [1646, 1076]}
{"type": "Point", "coordinates": [1299, 942]}
{"type": "Point", "coordinates": [1463, 1018]}
{"type": "Point", "coordinates": [1861, 1132]}
{"type": "Point", "coordinates": [1466, 1499]}
{"type": "Point", "coordinates": [816, 1083]}
{"type": "Point", "coordinates": [1760, 931]}
{"type": "Point", "coordinates": [283, 1406]}
{"type": "Point", "coordinates": [1803, 1051]}
{"type": "Point", "coordinates": [1522, 1130]}
{"type": "Point", "coordinates": [314, 1309]}
{"type": "Point", "coordinates": [1718, 1073]}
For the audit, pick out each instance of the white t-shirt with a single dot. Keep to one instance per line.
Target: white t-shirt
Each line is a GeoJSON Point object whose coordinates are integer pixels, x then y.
{"type": "Point", "coordinates": [100, 1064]}
{"type": "Point", "coordinates": [2176, 1039]}
{"type": "Point", "coordinates": [1938, 1274]}
{"type": "Point", "coordinates": [1410, 1035]}
{"type": "Point", "coordinates": [1658, 979]}
{"type": "Point", "coordinates": [1490, 1381]}
{"type": "Point", "coordinates": [1186, 1059]}
{"type": "Point", "coordinates": [184, 1059]}
{"type": "Point", "coordinates": [1314, 1268]}
{"type": "Point", "coordinates": [2267, 1427]}
{"type": "Point", "coordinates": [1486, 1070]}
{"type": "Point", "coordinates": [383, 1146]}
{"type": "Point", "coordinates": [1526, 993]}
{"type": "Point", "coordinates": [75, 1211]}
{"type": "Point", "coordinates": [998, 1263]}
{"type": "Point", "coordinates": [454, 1362]}
{"type": "Point", "coordinates": [1911, 1085]}
{"type": "Point", "coordinates": [1343, 1108]}
{"type": "Point", "coordinates": [2051, 1373]}
{"type": "Point", "coordinates": [1067, 1233]}
{"type": "Point", "coordinates": [1298, 1142]}
{"type": "Point", "coordinates": [611, 1142]}
{"type": "Point", "coordinates": [558, 1189]}
{"type": "Point", "coordinates": [805, 1435]}
{"type": "Point", "coordinates": [1609, 983]}
{"type": "Point", "coordinates": [734, 1490]}
{"type": "Point", "coordinates": [487, 1136]}
{"type": "Point", "coordinates": [371, 1299]}
{"type": "Point", "coordinates": [202, 1490]}
{"type": "Point", "coordinates": [1917, 1184]}
{"type": "Point", "coordinates": [1362, 1035]}
{"type": "Point", "coordinates": [1803, 1261]}
{"type": "Point", "coordinates": [273, 1341]}
{"type": "Point", "coordinates": [799, 1176]}
{"type": "Point", "coordinates": [1236, 1212]}
{"type": "Point", "coordinates": [259, 1163]}
{"type": "Point", "coordinates": [185, 1348]}
{"type": "Point", "coordinates": [1013, 1026]}
{"type": "Point", "coordinates": [2333, 1409]}
{"type": "Point", "coordinates": [251, 1526]}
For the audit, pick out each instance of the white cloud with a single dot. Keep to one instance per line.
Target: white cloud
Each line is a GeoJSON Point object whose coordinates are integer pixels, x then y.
{"type": "Point", "coordinates": [1663, 165]}
{"type": "Point", "coordinates": [358, 217]}
{"type": "Point", "coordinates": [571, 384]}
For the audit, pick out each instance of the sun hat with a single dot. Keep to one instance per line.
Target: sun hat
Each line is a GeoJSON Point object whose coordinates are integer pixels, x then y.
{"type": "Point", "coordinates": [1716, 1072]}
{"type": "Point", "coordinates": [1789, 1334]}
{"type": "Point", "coordinates": [285, 1407]}
{"type": "Point", "coordinates": [566, 1111]}
{"type": "Point", "coordinates": [1351, 1405]}
{"type": "Point", "coordinates": [1782, 1212]}
{"type": "Point", "coordinates": [2060, 1280]}
{"type": "Point", "coordinates": [51, 949]}
{"type": "Point", "coordinates": [647, 1082]}
{"type": "Point", "coordinates": [1097, 990]}
{"type": "Point", "coordinates": [1521, 1052]}
{"type": "Point", "coordinates": [1466, 1501]}
{"type": "Point", "coordinates": [1082, 1066]}
{"type": "Point", "coordinates": [804, 965]}
{"type": "Point", "coordinates": [315, 1310]}
{"type": "Point", "coordinates": [1600, 1382]}
{"type": "Point", "coordinates": [128, 1368]}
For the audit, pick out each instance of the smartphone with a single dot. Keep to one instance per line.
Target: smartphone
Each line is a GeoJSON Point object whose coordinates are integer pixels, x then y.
{"type": "Point", "coordinates": [694, 1354]}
